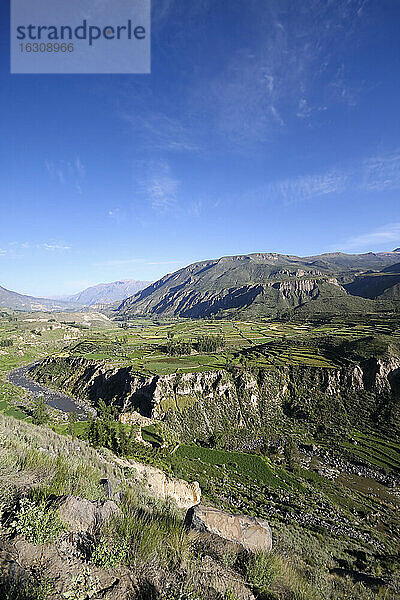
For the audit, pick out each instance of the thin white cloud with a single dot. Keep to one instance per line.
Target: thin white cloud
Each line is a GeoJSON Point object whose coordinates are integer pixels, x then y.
{"type": "Point", "coordinates": [135, 261]}
{"type": "Point", "coordinates": [292, 67]}
{"type": "Point", "coordinates": [382, 172]}
{"type": "Point", "coordinates": [376, 174]}
{"type": "Point", "coordinates": [308, 187]}
{"type": "Point", "coordinates": [54, 247]}
{"type": "Point", "coordinates": [157, 185]}
{"type": "Point", "coordinates": [2, 252]}
{"type": "Point", "coordinates": [47, 246]}
{"type": "Point", "coordinates": [161, 132]}
{"type": "Point", "coordinates": [384, 236]}
{"type": "Point", "coordinates": [67, 172]}
{"type": "Point", "coordinates": [114, 212]}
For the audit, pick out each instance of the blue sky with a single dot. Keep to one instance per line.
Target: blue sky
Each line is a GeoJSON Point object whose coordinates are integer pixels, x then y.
{"type": "Point", "coordinates": [265, 126]}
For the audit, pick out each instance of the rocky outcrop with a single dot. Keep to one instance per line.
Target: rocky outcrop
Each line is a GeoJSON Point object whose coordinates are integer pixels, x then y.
{"type": "Point", "coordinates": [83, 516]}
{"type": "Point", "coordinates": [67, 562]}
{"type": "Point", "coordinates": [160, 486]}
{"type": "Point", "coordinates": [23, 563]}
{"type": "Point", "coordinates": [196, 404]}
{"type": "Point", "coordinates": [252, 533]}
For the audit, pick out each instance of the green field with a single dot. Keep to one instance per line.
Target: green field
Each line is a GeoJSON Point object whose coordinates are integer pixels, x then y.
{"type": "Point", "coordinates": [266, 344]}
{"type": "Point", "coordinates": [34, 336]}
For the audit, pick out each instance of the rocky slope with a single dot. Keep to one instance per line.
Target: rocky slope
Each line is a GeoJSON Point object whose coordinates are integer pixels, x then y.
{"type": "Point", "coordinates": [384, 284]}
{"type": "Point", "coordinates": [197, 404]}
{"type": "Point", "coordinates": [252, 285]}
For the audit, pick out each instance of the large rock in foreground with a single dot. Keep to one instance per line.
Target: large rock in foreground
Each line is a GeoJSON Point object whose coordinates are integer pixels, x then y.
{"type": "Point", "coordinates": [159, 485]}
{"type": "Point", "coordinates": [84, 516]}
{"type": "Point", "coordinates": [252, 533]}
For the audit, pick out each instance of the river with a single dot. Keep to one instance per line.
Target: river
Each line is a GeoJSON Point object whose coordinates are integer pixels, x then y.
{"type": "Point", "coordinates": [20, 377]}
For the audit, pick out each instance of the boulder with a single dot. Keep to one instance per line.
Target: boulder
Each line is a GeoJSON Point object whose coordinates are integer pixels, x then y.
{"type": "Point", "coordinates": [252, 533]}
{"type": "Point", "coordinates": [159, 485]}
{"type": "Point", "coordinates": [84, 516]}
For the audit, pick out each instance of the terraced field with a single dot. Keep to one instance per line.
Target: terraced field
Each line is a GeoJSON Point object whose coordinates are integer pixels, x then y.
{"type": "Point", "coordinates": [144, 345]}
{"type": "Point", "coordinates": [26, 337]}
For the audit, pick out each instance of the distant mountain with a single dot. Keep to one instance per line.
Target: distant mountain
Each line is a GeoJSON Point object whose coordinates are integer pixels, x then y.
{"type": "Point", "coordinates": [16, 301]}
{"type": "Point", "coordinates": [108, 293]}
{"type": "Point", "coordinates": [253, 285]}
{"type": "Point", "coordinates": [384, 284]}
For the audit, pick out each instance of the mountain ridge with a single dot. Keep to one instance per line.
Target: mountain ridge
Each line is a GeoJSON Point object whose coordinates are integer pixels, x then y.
{"type": "Point", "coordinates": [258, 284]}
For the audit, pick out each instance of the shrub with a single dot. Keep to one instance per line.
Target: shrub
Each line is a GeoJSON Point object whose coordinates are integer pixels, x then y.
{"type": "Point", "coordinates": [36, 522]}
{"type": "Point", "coordinates": [210, 343]}
{"type": "Point", "coordinates": [109, 552]}
{"type": "Point", "coordinates": [178, 348]}
{"type": "Point", "coordinates": [6, 343]}
{"type": "Point", "coordinates": [40, 414]}
{"type": "Point", "coordinates": [262, 571]}
{"type": "Point", "coordinates": [26, 590]}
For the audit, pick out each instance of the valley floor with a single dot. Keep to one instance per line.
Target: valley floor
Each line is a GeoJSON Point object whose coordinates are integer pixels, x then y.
{"type": "Point", "coordinates": [329, 488]}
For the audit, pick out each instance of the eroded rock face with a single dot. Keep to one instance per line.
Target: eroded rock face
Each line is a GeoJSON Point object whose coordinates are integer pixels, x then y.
{"type": "Point", "coordinates": [163, 487]}
{"type": "Point", "coordinates": [83, 516]}
{"type": "Point", "coordinates": [195, 404]}
{"type": "Point", "coordinates": [252, 533]}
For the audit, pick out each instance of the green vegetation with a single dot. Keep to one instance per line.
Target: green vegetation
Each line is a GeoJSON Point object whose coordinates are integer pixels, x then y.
{"type": "Point", "coordinates": [36, 523]}
{"type": "Point", "coordinates": [319, 468]}
{"type": "Point", "coordinates": [40, 414]}
{"type": "Point", "coordinates": [193, 346]}
{"type": "Point", "coordinates": [38, 589]}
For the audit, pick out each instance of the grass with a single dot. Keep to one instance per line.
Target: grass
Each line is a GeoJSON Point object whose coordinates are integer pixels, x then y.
{"type": "Point", "coordinates": [35, 457]}
{"type": "Point", "coordinates": [241, 465]}
{"type": "Point", "coordinates": [266, 344]}
{"type": "Point", "coordinates": [149, 535]}
{"type": "Point", "coordinates": [35, 336]}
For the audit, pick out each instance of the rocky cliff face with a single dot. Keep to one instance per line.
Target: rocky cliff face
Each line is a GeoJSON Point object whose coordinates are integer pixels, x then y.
{"type": "Point", "coordinates": [197, 404]}
{"type": "Point", "coordinates": [252, 282]}
{"type": "Point", "coordinates": [186, 300]}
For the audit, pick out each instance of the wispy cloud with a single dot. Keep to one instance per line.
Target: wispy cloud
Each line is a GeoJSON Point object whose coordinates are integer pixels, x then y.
{"type": "Point", "coordinates": [384, 236]}
{"type": "Point", "coordinates": [114, 212]}
{"type": "Point", "coordinates": [305, 188]}
{"type": "Point", "coordinates": [2, 252]}
{"type": "Point", "coordinates": [21, 247]}
{"type": "Point", "coordinates": [67, 172]}
{"type": "Point", "coordinates": [54, 247]}
{"type": "Point", "coordinates": [157, 184]}
{"type": "Point", "coordinates": [382, 172]}
{"type": "Point", "coordinates": [291, 67]}
{"type": "Point", "coordinates": [160, 132]}
{"type": "Point", "coordinates": [135, 261]}
{"type": "Point", "coordinates": [375, 174]}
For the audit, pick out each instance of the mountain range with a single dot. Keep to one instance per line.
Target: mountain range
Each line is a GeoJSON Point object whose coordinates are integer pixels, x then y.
{"type": "Point", "coordinates": [269, 284]}
{"type": "Point", "coordinates": [245, 286]}
{"type": "Point", "coordinates": [15, 301]}
{"type": "Point", "coordinates": [107, 293]}
{"type": "Point", "coordinates": [98, 295]}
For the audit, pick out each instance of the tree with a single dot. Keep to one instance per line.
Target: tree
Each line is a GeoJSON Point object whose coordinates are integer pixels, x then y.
{"type": "Point", "coordinates": [40, 414]}
{"type": "Point", "coordinates": [292, 456]}
{"type": "Point", "coordinates": [72, 420]}
{"type": "Point", "coordinates": [210, 343]}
